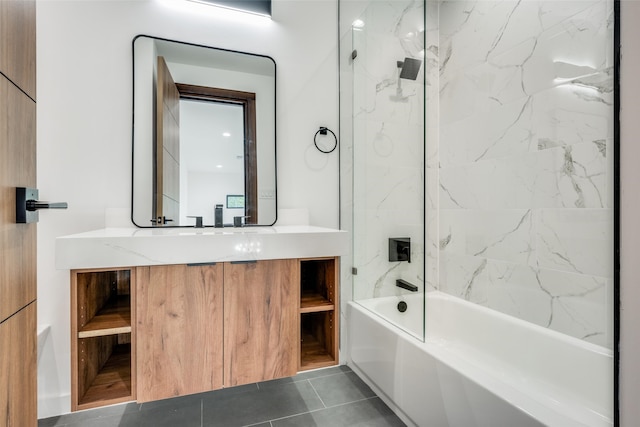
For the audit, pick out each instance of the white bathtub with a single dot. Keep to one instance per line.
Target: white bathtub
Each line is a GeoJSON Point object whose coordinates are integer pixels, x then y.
{"type": "Point", "coordinates": [478, 367]}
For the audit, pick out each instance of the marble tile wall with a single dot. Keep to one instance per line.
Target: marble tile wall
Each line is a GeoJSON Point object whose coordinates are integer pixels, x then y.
{"type": "Point", "coordinates": [522, 159]}
{"type": "Point", "coordinates": [517, 165]}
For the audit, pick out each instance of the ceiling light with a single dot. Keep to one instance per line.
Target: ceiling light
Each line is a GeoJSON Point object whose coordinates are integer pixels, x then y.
{"type": "Point", "coordinates": [256, 7]}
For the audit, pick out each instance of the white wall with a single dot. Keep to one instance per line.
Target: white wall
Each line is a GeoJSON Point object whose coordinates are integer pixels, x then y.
{"type": "Point", "coordinates": [629, 214]}
{"type": "Point", "coordinates": [84, 123]}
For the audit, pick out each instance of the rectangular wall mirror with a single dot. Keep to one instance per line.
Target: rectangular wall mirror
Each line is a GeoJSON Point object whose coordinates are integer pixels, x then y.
{"type": "Point", "coordinates": [204, 133]}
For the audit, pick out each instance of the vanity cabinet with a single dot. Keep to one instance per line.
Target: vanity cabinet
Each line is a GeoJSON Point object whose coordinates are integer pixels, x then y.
{"type": "Point", "coordinates": [154, 332]}
{"type": "Point", "coordinates": [179, 330]}
{"type": "Point", "coordinates": [103, 357]}
{"type": "Point", "coordinates": [260, 320]}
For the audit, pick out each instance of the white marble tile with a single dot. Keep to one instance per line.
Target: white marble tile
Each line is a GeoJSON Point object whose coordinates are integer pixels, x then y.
{"type": "Point", "coordinates": [504, 130]}
{"type": "Point", "coordinates": [553, 12]}
{"type": "Point", "coordinates": [582, 41]}
{"type": "Point", "coordinates": [506, 235]}
{"type": "Point", "coordinates": [525, 126]}
{"type": "Point", "coordinates": [573, 177]}
{"type": "Point", "coordinates": [573, 304]}
{"type": "Point", "coordinates": [579, 304]}
{"type": "Point", "coordinates": [504, 183]}
{"type": "Point", "coordinates": [576, 240]}
{"type": "Point", "coordinates": [454, 192]}
{"type": "Point", "coordinates": [459, 23]}
{"type": "Point", "coordinates": [432, 242]}
{"type": "Point", "coordinates": [515, 289]}
{"type": "Point", "coordinates": [453, 231]}
{"type": "Point", "coordinates": [573, 113]}
{"type": "Point", "coordinates": [463, 276]}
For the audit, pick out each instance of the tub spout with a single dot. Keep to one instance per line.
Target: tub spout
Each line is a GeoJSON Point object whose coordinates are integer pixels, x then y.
{"type": "Point", "coordinates": [406, 285]}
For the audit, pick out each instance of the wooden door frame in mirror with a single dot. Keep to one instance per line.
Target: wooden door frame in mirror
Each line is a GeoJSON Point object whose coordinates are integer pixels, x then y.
{"type": "Point", "coordinates": [248, 101]}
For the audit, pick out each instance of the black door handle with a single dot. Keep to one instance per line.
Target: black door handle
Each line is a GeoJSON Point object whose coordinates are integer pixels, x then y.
{"type": "Point", "coordinates": [33, 205]}
{"type": "Point", "coordinates": [27, 205]}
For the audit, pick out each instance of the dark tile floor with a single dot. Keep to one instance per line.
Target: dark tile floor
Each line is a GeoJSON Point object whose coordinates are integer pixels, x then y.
{"type": "Point", "coordinates": [332, 397]}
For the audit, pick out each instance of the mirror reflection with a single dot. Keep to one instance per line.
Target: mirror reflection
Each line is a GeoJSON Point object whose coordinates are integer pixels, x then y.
{"type": "Point", "coordinates": [204, 135]}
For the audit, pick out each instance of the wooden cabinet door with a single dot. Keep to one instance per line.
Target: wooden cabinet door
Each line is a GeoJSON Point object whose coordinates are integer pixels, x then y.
{"type": "Point", "coordinates": [261, 321]}
{"type": "Point", "coordinates": [18, 354]}
{"type": "Point", "coordinates": [179, 330]}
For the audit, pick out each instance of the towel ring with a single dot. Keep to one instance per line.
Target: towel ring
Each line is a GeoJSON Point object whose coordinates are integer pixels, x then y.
{"type": "Point", "coordinates": [323, 131]}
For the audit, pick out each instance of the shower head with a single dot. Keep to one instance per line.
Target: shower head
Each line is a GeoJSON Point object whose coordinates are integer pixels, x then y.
{"type": "Point", "coordinates": [409, 68]}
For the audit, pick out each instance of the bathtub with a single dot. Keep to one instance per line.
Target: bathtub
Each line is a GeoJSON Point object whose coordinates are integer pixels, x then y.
{"type": "Point", "coordinates": [477, 367]}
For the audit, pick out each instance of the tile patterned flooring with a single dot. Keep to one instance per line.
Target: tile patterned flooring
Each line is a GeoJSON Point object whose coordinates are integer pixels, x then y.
{"type": "Point", "coordinates": [332, 397]}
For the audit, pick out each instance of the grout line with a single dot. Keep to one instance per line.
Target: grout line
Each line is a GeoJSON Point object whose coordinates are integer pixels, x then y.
{"type": "Point", "coordinates": [316, 392]}
{"type": "Point", "coordinates": [256, 424]}
{"type": "Point", "coordinates": [322, 376]}
{"type": "Point", "coordinates": [353, 401]}
{"type": "Point", "coordinates": [300, 380]}
{"type": "Point", "coordinates": [320, 409]}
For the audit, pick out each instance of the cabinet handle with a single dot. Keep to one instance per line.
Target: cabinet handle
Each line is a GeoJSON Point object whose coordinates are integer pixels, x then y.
{"type": "Point", "coordinates": [244, 262]}
{"type": "Point", "coordinates": [200, 264]}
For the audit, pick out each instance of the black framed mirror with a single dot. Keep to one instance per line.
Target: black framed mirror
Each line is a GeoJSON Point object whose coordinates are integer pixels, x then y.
{"type": "Point", "coordinates": [203, 129]}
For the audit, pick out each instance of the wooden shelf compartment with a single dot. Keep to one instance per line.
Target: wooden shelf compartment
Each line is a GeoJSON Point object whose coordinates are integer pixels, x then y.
{"type": "Point", "coordinates": [104, 371]}
{"type": "Point", "coordinates": [103, 339]}
{"type": "Point", "coordinates": [318, 335]}
{"type": "Point", "coordinates": [104, 303]}
{"type": "Point", "coordinates": [113, 318]}
{"type": "Point", "coordinates": [318, 278]}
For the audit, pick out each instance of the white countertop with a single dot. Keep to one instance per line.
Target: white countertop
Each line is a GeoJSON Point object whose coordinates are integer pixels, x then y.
{"type": "Point", "coordinates": [129, 247]}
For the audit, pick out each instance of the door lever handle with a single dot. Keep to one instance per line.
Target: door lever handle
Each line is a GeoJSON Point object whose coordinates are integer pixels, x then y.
{"type": "Point", "coordinates": [27, 205]}
{"type": "Point", "coordinates": [33, 205]}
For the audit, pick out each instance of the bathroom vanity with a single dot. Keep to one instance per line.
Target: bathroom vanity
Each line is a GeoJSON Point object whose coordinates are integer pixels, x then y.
{"type": "Point", "coordinates": [159, 313]}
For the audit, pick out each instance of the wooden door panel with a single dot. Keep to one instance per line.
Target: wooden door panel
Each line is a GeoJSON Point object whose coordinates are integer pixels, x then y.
{"type": "Point", "coordinates": [18, 47]}
{"type": "Point", "coordinates": [18, 390]}
{"type": "Point", "coordinates": [17, 168]}
{"type": "Point", "coordinates": [167, 144]}
{"type": "Point", "coordinates": [179, 330]}
{"type": "Point", "coordinates": [261, 321]}
{"type": "Point", "coordinates": [18, 349]}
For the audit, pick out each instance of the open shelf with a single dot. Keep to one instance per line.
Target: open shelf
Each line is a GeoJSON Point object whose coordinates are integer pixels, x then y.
{"type": "Point", "coordinates": [311, 302]}
{"type": "Point", "coordinates": [317, 284]}
{"type": "Point", "coordinates": [317, 340]}
{"type": "Point", "coordinates": [318, 317]}
{"type": "Point", "coordinates": [112, 383]}
{"type": "Point", "coordinates": [102, 354]}
{"type": "Point", "coordinates": [113, 318]}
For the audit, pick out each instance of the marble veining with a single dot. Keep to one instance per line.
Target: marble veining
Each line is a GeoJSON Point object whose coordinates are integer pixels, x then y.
{"type": "Point", "coordinates": [516, 109]}
{"type": "Point", "coordinates": [524, 182]}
